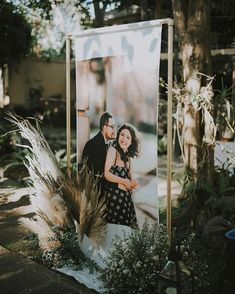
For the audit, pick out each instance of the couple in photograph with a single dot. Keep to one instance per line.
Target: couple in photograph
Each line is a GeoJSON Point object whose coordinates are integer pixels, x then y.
{"type": "Point", "coordinates": [108, 156]}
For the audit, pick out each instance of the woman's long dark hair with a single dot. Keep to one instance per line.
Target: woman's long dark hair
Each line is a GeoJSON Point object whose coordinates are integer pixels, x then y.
{"type": "Point", "coordinates": [133, 149]}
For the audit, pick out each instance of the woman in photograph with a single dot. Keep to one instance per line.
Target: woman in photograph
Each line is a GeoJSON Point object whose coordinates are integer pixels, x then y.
{"type": "Point", "coordinates": [118, 169]}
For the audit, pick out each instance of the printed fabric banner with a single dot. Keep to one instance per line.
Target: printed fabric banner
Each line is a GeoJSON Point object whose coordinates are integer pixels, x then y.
{"type": "Point", "coordinates": [117, 69]}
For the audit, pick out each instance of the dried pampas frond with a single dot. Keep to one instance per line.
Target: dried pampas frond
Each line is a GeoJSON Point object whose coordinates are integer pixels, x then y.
{"type": "Point", "coordinates": [92, 220]}
{"type": "Point", "coordinates": [57, 198]}
{"type": "Point", "coordinates": [70, 192]}
{"type": "Point", "coordinates": [83, 198]}
{"type": "Point", "coordinates": [41, 151]}
{"type": "Point", "coordinates": [46, 199]}
{"type": "Point", "coordinates": [92, 210]}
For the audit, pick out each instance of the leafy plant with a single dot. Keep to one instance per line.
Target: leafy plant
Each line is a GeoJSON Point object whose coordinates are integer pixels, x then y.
{"type": "Point", "coordinates": [224, 112]}
{"type": "Point", "coordinates": [199, 189]}
{"type": "Point", "coordinates": [15, 33]}
{"type": "Point", "coordinates": [67, 250]}
{"type": "Point", "coordinates": [224, 185]}
{"type": "Point", "coordinates": [205, 263]}
{"type": "Point", "coordinates": [11, 156]}
{"type": "Point", "coordinates": [135, 261]}
{"type": "Point", "coordinates": [162, 145]}
{"type": "Point", "coordinates": [224, 175]}
{"type": "Point", "coordinates": [61, 157]}
{"type": "Point", "coordinates": [6, 140]}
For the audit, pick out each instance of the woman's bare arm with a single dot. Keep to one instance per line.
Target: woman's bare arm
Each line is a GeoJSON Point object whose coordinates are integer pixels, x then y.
{"type": "Point", "coordinates": [110, 160]}
{"type": "Point", "coordinates": [134, 183]}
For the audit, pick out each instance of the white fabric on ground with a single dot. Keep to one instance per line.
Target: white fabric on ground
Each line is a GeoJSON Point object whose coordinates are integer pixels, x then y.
{"type": "Point", "coordinates": [90, 280]}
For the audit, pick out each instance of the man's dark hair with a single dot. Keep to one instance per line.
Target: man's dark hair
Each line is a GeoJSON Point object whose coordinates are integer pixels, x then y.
{"type": "Point", "coordinates": [104, 119]}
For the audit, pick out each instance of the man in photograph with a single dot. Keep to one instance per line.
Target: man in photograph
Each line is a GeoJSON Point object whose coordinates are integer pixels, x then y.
{"type": "Point", "coordinates": [95, 149]}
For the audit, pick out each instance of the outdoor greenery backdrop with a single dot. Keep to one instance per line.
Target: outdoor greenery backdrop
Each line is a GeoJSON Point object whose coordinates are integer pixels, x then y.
{"type": "Point", "coordinates": [39, 28]}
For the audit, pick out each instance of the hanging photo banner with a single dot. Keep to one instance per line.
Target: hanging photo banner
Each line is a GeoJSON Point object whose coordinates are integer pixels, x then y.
{"type": "Point", "coordinates": [117, 69]}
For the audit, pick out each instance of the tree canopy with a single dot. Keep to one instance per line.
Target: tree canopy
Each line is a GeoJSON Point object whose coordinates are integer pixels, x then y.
{"type": "Point", "coordinates": [15, 34]}
{"type": "Point", "coordinates": [52, 20]}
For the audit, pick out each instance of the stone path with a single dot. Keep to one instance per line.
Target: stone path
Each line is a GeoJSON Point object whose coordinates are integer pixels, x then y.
{"type": "Point", "coordinates": [19, 274]}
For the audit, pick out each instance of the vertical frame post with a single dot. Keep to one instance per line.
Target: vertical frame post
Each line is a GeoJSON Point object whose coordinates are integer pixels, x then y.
{"type": "Point", "coordinates": [169, 125]}
{"type": "Point", "coordinates": [68, 106]}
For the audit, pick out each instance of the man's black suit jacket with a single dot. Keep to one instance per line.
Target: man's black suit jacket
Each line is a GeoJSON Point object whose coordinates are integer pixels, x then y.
{"type": "Point", "coordinates": [94, 154]}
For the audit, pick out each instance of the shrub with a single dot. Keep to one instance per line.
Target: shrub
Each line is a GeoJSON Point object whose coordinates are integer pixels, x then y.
{"type": "Point", "coordinates": [135, 261]}
{"type": "Point", "coordinates": [205, 263]}
{"type": "Point", "coordinates": [67, 251]}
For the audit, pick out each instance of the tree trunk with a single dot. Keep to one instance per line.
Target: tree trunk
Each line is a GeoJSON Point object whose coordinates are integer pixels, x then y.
{"type": "Point", "coordinates": [99, 13]}
{"type": "Point", "coordinates": [192, 24]}
{"type": "Point", "coordinates": [158, 9]}
{"type": "Point", "coordinates": [143, 9]}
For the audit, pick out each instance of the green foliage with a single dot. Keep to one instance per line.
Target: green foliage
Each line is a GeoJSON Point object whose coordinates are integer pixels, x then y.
{"type": "Point", "coordinates": [224, 112]}
{"type": "Point", "coordinates": [224, 179]}
{"type": "Point", "coordinates": [6, 142]}
{"type": "Point", "coordinates": [15, 34]}
{"type": "Point", "coordinates": [205, 263]}
{"type": "Point", "coordinates": [213, 207]}
{"type": "Point", "coordinates": [224, 175]}
{"type": "Point", "coordinates": [61, 157]}
{"type": "Point", "coordinates": [51, 21]}
{"type": "Point", "coordinates": [67, 251]}
{"type": "Point", "coordinates": [206, 194]}
{"type": "Point", "coordinates": [13, 163]}
{"type": "Point", "coordinates": [27, 246]}
{"type": "Point", "coordinates": [224, 188]}
{"type": "Point", "coordinates": [146, 128]}
{"type": "Point", "coordinates": [224, 184]}
{"type": "Point", "coordinates": [200, 186]}
{"type": "Point", "coordinates": [200, 189]}
{"type": "Point", "coordinates": [44, 6]}
{"type": "Point", "coordinates": [12, 157]}
{"type": "Point", "coordinates": [135, 261]}
{"type": "Point", "coordinates": [162, 145]}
